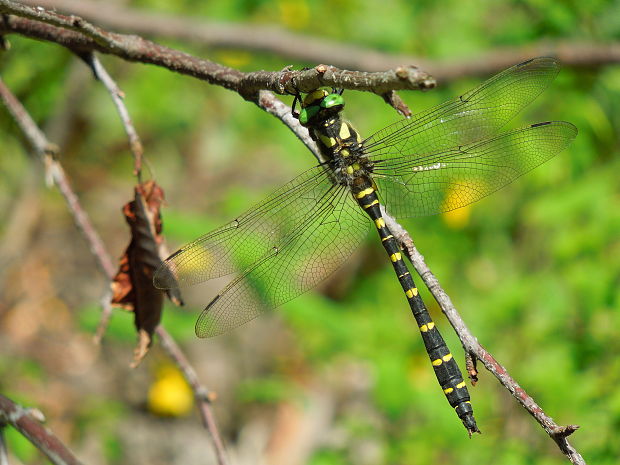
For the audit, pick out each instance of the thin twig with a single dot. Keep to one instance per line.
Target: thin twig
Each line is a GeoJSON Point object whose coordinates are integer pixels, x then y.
{"type": "Point", "coordinates": [311, 49]}
{"type": "Point", "coordinates": [41, 145]}
{"type": "Point", "coordinates": [118, 98]}
{"type": "Point", "coordinates": [202, 395]}
{"type": "Point", "coordinates": [23, 421]}
{"type": "Point", "coordinates": [105, 317]}
{"type": "Point", "coordinates": [4, 451]}
{"type": "Point", "coordinates": [472, 346]}
{"type": "Point", "coordinates": [47, 152]}
{"type": "Point", "coordinates": [274, 106]}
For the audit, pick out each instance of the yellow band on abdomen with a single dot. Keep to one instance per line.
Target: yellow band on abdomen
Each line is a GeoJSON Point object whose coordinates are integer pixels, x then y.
{"type": "Point", "coordinates": [364, 193]}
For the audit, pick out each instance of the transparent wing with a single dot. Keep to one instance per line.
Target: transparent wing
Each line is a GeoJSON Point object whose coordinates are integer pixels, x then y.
{"type": "Point", "coordinates": [318, 244]}
{"type": "Point", "coordinates": [475, 115]}
{"type": "Point", "coordinates": [240, 243]}
{"type": "Point", "coordinates": [443, 181]}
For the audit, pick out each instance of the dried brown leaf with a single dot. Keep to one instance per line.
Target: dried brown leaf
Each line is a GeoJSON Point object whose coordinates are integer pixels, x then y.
{"type": "Point", "coordinates": [132, 286]}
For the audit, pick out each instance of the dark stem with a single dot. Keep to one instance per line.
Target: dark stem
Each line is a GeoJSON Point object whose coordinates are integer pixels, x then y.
{"type": "Point", "coordinates": [30, 427]}
{"type": "Point", "coordinates": [118, 98]}
{"type": "Point", "coordinates": [80, 36]}
{"type": "Point", "coordinates": [4, 451]}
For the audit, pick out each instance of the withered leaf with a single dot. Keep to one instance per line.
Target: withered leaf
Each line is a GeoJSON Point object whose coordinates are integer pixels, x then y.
{"type": "Point", "coordinates": [132, 286]}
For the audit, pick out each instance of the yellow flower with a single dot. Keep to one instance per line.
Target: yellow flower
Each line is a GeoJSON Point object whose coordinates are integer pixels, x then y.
{"type": "Point", "coordinates": [457, 218]}
{"type": "Point", "coordinates": [170, 395]}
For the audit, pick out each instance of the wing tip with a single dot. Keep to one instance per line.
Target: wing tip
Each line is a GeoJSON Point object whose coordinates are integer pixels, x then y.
{"type": "Point", "coordinates": [205, 325]}
{"type": "Point", "coordinates": [165, 277]}
{"type": "Point", "coordinates": [565, 124]}
{"type": "Point", "coordinates": [546, 60]}
{"type": "Point", "coordinates": [544, 65]}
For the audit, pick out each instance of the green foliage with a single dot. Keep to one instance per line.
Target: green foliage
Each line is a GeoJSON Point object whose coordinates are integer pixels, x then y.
{"type": "Point", "coordinates": [20, 446]}
{"type": "Point", "coordinates": [120, 327]}
{"type": "Point", "coordinates": [265, 390]}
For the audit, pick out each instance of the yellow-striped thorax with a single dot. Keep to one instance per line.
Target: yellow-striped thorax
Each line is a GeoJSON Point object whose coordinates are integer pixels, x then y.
{"type": "Point", "coordinates": [339, 143]}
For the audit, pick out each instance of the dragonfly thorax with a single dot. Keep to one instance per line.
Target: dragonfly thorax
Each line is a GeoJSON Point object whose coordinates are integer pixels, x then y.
{"type": "Point", "coordinates": [339, 143]}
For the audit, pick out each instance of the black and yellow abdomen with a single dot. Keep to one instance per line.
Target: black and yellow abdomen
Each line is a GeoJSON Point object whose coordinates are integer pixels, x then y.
{"type": "Point", "coordinates": [446, 369]}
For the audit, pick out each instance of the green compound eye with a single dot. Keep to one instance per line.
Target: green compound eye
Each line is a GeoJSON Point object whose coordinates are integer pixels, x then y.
{"type": "Point", "coordinates": [307, 113]}
{"type": "Point", "coordinates": [332, 100]}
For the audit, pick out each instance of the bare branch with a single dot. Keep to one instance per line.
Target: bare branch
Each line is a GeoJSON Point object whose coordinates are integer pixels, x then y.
{"type": "Point", "coordinates": [290, 81]}
{"type": "Point", "coordinates": [318, 50]}
{"type": "Point", "coordinates": [118, 98]}
{"type": "Point", "coordinates": [47, 152]}
{"type": "Point", "coordinates": [80, 36]}
{"type": "Point", "coordinates": [43, 439]}
{"type": "Point", "coordinates": [83, 38]}
{"type": "Point", "coordinates": [40, 144]}
{"type": "Point", "coordinates": [474, 348]}
{"type": "Point", "coordinates": [105, 317]}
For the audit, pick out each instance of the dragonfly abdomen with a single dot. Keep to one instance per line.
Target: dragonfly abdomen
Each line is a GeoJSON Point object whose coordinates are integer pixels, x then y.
{"type": "Point", "coordinates": [444, 365]}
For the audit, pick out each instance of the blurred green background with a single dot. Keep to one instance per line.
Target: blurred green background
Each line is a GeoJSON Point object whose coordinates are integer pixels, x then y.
{"type": "Point", "coordinates": [338, 375]}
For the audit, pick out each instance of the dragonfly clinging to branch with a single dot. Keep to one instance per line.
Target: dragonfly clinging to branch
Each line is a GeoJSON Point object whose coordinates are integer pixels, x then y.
{"type": "Point", "coordinates": [439, 160]}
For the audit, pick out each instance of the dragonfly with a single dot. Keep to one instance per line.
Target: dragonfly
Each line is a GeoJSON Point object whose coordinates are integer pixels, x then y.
{"type": "Point", "coordinates": [438, 160]}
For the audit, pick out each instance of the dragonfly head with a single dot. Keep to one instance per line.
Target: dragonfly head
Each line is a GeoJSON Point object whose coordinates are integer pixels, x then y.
{"type": "Point", "coordinates": [319, 105]}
